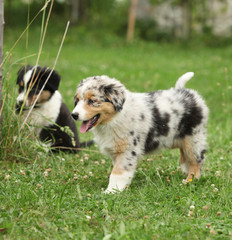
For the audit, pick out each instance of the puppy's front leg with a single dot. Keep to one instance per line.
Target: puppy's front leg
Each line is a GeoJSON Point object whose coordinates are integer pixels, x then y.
{"type": "Point", "coordinates": [121, 176]}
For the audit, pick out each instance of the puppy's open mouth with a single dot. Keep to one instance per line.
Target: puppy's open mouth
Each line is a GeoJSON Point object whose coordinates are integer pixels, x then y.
{"type": "Point", "coordinates": [87, 125]}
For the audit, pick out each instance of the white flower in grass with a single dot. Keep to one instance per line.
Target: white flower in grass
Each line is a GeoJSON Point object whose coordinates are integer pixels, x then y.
{"type": "Point", "coordinates": [190, 213]}
{"type": "Point", "coordinates": [22, 172]}
{"type": "Point", "coordinates": [212, 231]}
{"type": "Point", "coordinates": [218, 174]}
{"type": "Point", "coordinates": [90, 174]}
{"type": "Point", "coordinates": [184, 181]}
{"type": "Point", "coordinates": [45, 174]}
{"type": "Point", "coordinates": [88, 217]}
{"type": "Point", "coordinates": [208, 225]}
{"type": "Point", "coordinates": [215, 190]}
{"type": "Point", "coordinates": [192, 207]}
{"type": "Point", "coordinates": [7, 177]}
{"type": "Point", "coordinates": [205, 208]}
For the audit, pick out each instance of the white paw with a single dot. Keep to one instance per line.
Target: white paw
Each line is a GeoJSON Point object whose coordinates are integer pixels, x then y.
{"type": "Point", "coordinates": [112, 190]}
{"type": "Point", "coordinates": [185, 168]}
{"type": "Point", "coordinates": [119, 182]}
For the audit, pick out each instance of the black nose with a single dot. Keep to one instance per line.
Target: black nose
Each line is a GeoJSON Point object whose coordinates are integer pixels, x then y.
{"type": "Point", "coordinates": [20, 102]}
{"type": "Point", "coordinates": [75, 116]}
{"type": "Point", "coordinates": [18, 106]}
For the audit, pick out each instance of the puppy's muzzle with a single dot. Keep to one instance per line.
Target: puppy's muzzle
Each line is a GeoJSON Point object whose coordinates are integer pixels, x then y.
{"type": "Point", "coordinates": [75, 116]}
{"type": "Point", "coordinates": [18, 106]}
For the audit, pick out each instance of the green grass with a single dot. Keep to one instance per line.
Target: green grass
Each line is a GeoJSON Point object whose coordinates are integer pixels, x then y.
{"type": "Point", "coordinates": [46, 196]}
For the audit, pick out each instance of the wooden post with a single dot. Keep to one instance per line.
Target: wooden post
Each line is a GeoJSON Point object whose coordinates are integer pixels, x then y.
{"type": "Point", "coordinates": [131, 21]}
{"type": "Point", "coordinates": [1, 55]}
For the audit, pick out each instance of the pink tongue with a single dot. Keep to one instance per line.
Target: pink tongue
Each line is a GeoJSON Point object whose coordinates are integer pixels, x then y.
{"type": "Point", "coordinates": [85, 126]}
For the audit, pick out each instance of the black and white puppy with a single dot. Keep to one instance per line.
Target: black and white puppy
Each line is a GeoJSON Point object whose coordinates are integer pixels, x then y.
{"type": "Point", "coordinates": [127, 125]}
{"type": "Point", "coordinates": [50, 118]}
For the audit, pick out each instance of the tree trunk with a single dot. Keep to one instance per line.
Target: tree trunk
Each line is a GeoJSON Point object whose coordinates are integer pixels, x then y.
{"type": "Point", "coordinates": [131, 21]}
{"type": "Point", "coordinates": [1, 55]}
{"type": "Point", "coordinates": [82, 10]}
{"type": "Point", "coordinates": [187, 19]}
{"type": "Point", "coordinates": [74, 11]}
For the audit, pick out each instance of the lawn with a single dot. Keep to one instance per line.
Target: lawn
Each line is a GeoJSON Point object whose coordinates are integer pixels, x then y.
{"type": "Point", "coordinates": [46, 196]}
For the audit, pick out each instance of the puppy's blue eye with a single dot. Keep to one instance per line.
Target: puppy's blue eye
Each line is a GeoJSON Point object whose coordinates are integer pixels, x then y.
{"type": "Point", "coordinates": [91, 101]}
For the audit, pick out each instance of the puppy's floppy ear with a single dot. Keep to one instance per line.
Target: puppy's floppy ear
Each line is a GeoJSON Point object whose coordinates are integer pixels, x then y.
{"type": "Point", "coordinates": [115, 93]}
{"type": "Point", "coordinates": [21, 72]}
{"type": "Point", "coordinates": [53, 81]}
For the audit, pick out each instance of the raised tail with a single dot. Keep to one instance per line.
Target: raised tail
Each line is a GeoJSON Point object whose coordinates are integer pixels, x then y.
{"type": "Point", "coordinates": [184, 79]}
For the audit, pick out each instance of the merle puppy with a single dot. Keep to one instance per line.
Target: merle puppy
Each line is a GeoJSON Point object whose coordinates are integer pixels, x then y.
{"type": "Point", "coordinates": [127, 125]}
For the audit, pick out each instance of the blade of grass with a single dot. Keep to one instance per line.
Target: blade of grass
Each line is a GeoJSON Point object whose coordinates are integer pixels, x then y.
{"type": "Point", "coordinates": [10, 142]}
{"type": "Point", "coordinates": [37, 61]}
{"type": "Point", "coordinates": [42, 27]}
{"type": "Point", "coordinates": [25, 30]}
{"type": "Point", "coordinates": [48, 75]}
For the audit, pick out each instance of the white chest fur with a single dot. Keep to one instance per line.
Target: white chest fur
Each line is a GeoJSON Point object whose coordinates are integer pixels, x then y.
{"type": "Point", "coordinates": [46, 114]}
{"type": "Point", "coordinates": [125, 126]}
